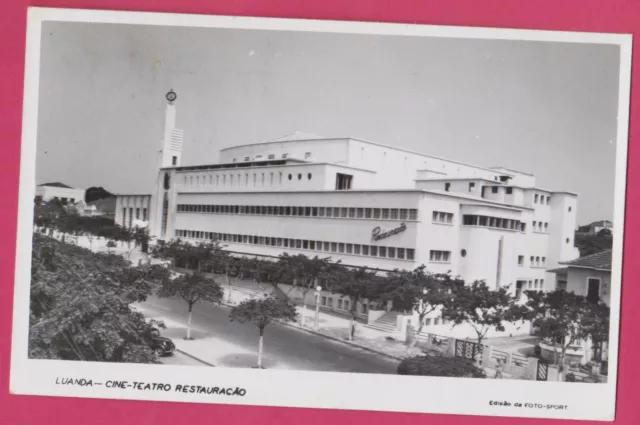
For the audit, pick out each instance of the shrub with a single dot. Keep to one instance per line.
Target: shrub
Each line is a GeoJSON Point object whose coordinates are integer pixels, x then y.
{"type": "Point", "coordinates": [570, 377]}
{"type": "Point", "coordinates": [111, 244]}
{"type": "Point", "coordinates": [434, 365]}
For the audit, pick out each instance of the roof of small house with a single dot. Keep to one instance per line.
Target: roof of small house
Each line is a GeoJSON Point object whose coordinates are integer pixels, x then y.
{"type": "Point", "coordinates": [599, 261]}
{"type": "Point", "coordinates": [56, 184]}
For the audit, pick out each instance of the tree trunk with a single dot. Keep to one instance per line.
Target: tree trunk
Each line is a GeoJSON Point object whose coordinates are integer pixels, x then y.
{"type": "Point", "coordinates": [304, 310]}
{"type": "Point", "coordinates": [417, 332]}
{"type": "Point", "coordinates": [229, 284]}
{"type": "Point", "coordinates": [189, 321]}
{"type": "Point", "coordinates": [260, 348]}
{"type": "Point", "coordinates": [352, 327]}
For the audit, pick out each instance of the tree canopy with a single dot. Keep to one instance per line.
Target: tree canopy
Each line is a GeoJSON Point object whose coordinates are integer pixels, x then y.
{"type": "Point", "coordinates": [80, 305]}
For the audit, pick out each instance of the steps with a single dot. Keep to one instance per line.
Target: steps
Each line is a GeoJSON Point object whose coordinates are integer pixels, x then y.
{"type": "Point", "coordinates": [385, 323]}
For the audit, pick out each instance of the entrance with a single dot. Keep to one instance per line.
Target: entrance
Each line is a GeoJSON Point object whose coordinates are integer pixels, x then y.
{"type": "Point", "coordinates": [593, 290]}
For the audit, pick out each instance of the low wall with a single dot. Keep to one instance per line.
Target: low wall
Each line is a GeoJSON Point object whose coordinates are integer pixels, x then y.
{"type": "Point", "coordinates": [374, 315]}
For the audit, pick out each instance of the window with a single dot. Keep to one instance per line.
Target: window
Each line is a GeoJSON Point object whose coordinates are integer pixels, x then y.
{"type": "Point", "coordinates": [544, 261]}
{"type": "Point", "coordinates": [374, 251]}
{"type": "Point", "coordinates": [382, 251]}
{"type": "Point", "coordinates": [509, 191]}
{"type": "Point", "coordinates": [271, 156]}
{"type": "Point", "coordinates": [393, 214]}
{"type": "Point", "coordinates": [442, 217]}
{"type": "Point", "coordinates": [447, 186]}
{"type": "Point", "coordinates": [307, 155]}
{"type": "Point", "coordinates": [352, 212]}
{"type": "Point", "coordinates": [472, 186]}
{"type": "Point", "coordinates": [144, 214]}
{"type": "Point", "coordinates": [246, 158]}
{"type": "Point", "coordinates": [569, 209]}
{"type": "Point", "coordinates": [299, 176]}
{"type": "Point", "coordinates": [174, 160]}
{"type": "Point", "coordinates": [343, 181]}
{"type": "Point", "coordinates": [548, 199]}
{"type": "Point", "coordinates": [494, 189]}
{"type": "Point", "coordinates": [360, 213]}
{"type": "Point", "coordinates": [391, 252]}
{"type": "Point", "coordinates": [356, 249]}
{"type": "Point", "coordinates": [535, 198]}
{"type": "Point", "coordinates": [546, 227]}
{"type": "Point", "coordinates": [400, 253]}
{"type": "Point", "coordinates": [349, 248]}
{"type": "Point", "coordinates": [521, 260]}
{"type": "Point", "coordinates": [376, 213]}
{"type": "Point", "coordinates": [463, 253]}
{"type": "Point", "coordinates": [365, 249]}
{"type": "Point", "coordinates": [309, 176]}
{"type": "Point", "coordinates": [285, 155]}
{"type": "Point", "coordinates": [385, 213]}
{"type": "Point", "coordinates": [439, 256]}
{"type": "Point", "coordinates": [413, 214]}
{"type": "Point", "coordinates": [404, 214]}
{"type": "Point", "coordinates": [290, 176]}
{"type": "Point", "coordinates": [329, 212]}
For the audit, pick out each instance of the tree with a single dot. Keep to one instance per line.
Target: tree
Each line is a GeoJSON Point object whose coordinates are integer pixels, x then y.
{"type": "Point", "coordinates": [356, 284]}
{"type": "Point", "coordinates": [141, 238]}
{"type": "Point", "coordinates": [261, 312]}
{"type": "Point", "coordinates": [418, 291]}
{"type": "Point", "coordinates": [589, 244]}
{"type": "Point", "coordinates": [478, 305]}
{"type": "Point", "coordinates": [80, 305]}
{"type": "Point", "coordinates": [95, 193]}
{"type": "Point", "coordinates": [192, 288]}
{"type": "Point", "coordinates": [564, 318]}
{"type": "Point", "coordinates": [305, 273]}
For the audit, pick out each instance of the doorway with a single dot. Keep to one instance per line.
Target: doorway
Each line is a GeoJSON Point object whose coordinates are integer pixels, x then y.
{"type": "Point", "coordinates": [593, 290]}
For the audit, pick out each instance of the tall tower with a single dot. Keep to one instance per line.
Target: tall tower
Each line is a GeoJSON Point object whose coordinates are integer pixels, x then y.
{"type": "Point", "coordinates": [169, 155]}
{"type": "Point", "coordinates": [171, 150]}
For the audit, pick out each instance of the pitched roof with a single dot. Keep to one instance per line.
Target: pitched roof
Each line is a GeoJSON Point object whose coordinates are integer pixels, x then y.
{"type": "Point", "coordinates": [601, 223]}
{"type": "Point", "coordinates": [56, 184]}
{"type": "Point", "coordinates": [600, 261]}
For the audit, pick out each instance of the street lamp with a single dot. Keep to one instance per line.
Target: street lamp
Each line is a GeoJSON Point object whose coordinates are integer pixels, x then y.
{"type": "Point", "coordinates": [318, 289]}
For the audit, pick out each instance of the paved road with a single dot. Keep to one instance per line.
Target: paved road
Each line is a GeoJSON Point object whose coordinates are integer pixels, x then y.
{"type": "Point", "coordinates": [298, 349]}
{"type": "Point", "coordinates": [180, 359]}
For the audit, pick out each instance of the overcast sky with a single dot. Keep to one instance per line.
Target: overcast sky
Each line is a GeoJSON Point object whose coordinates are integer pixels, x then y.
{"type": "Point", "coordinates": [545, 108]}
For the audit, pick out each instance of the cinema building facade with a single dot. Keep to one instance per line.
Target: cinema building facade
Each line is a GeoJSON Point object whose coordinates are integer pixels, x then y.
{"type": "Point", "coordinates": [365, 204]}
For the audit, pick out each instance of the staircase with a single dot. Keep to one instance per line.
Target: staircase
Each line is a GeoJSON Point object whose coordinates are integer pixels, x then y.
{"type": "Point", "coordinates": [385, 323]}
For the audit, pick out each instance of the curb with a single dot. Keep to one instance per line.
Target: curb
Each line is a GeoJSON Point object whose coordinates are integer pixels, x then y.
{"type": "Point", "coordinates": [333, 338]}
{"type": "Point", "coordinates": [352, 344]}
{"type": "Point", "coordinates": [194, 357]}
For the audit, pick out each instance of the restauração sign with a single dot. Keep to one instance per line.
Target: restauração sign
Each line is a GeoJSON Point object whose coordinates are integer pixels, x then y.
{"type": "Point", "coordinates": [377, 233]}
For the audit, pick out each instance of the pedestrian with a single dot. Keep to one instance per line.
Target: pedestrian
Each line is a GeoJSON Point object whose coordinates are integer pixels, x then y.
{"type": "Point", "coordinates": [498, 374]}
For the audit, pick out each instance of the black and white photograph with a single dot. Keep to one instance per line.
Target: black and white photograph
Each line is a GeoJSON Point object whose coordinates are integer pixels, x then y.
{"type": "Point", "coordinates": [279, 212]}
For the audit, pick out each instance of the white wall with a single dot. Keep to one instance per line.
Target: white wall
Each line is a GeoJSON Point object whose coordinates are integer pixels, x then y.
{"type": "Point", "coordinates": [136, 202]}
{"type": "Point", "coordinates": [577, 282]}
{"type": "Point", "coordinates": [50, 192]}
{"type": "Point", "coordinates": [323, 150]}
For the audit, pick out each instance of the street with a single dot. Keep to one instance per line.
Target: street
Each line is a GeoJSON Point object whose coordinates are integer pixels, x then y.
{"type": "Point", "coordinates": [230, 344]}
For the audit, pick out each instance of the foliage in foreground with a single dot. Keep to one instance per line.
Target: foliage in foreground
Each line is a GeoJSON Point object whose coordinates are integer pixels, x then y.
{"type": "Point", "coordinates": [436, 365]}
{"type": "Point", "coordinates": [79, 306]}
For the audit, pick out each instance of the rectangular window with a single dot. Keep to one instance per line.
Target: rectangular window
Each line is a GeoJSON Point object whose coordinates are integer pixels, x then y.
{"type": "Point", "coordinates": [404, 214]}
{"type": "Point", "coordinates": [174, 160]}
{"type": "Point", "coordinates": [385, 213]}
{"type": "Point", "coordinates": [376, 213]}
{"type": "Point", "coordinates": [349, 248]}
{"type": "Point", "coordinates": [544, 261]}
{"type": "Point", "coordinates": [305, 244]}
{"type": "Point", "coordinates": [145, 217]}
{"type": "Point", "coordinates": [326, 246]}
{"type": "Point", "coordinates": [447, 187]}
{"type": "Point", "coordinates": [352, 213]}
{"type": "Point", "coordinates": [298, 243]}
{"type": "Point", "coordinates": [546, 227]}
{"type": "Point", "coordinates": [535, 198]}
{"type": "Point", "coordinates": [356, 249]}
{"type": "Point", "coordinates": [365, 249]}
{"type": "Point", "coordinates": [336, 212]}
{"type": "Point", "coordinates": [472, 186]}
{"type": "Point", "coordinates": [391, 252]}
{"type": "Point", "coordinates": [340, 247]}
{"type": "Point", "coordinates": [410, 254]}
{"type": "Point", "coordinates": [329, 212]}
{"type": "Point", "coordinates": [285, 243]}
{"type": "Point", "coordinates": [494, 189]}
{"type": "Point", "coordinates": [523, 227]}
{"type": "Point", "coordinates": [334, 247]}
{"type": "Point", "coordinates": [548, 199]}
{"type": "Point", "coordinates": [413, 214]}
{"type": "Point", "coordinates": [531, 261]}
{"type": "Point", "coordinates": [509, 191]}
{"type": "Point", "coordinates": [439, 256]}
{"type": "Point", "coordinates": [312, 245]}
{"type": "Point", "coordinates": [382, 251]}
{"type": "Point", "coordinates": [314, 211]}
{"type": "Point", "coordinates": [344, 212]}
{"type": "Point", "coordinates": [374, 251]}
{"type": "Point", "coordinates": [400, 253]}
{"type": "Point", "coordinates": [368, 213]}
{"type": "Point", "coordinates": [321, 212]}
{"type": "Point", "coordinates": [394, 214]}
{"type": "Point", "coordinates": [521, 260]}
{"type": "Point", "coordinates": [360, 213]}
{"type": "Point", "coordinates": [137, 213]}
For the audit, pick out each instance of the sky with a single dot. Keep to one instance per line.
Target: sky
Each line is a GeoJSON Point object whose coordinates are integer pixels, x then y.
{"type": "Point", "coordinates": [546, 108]}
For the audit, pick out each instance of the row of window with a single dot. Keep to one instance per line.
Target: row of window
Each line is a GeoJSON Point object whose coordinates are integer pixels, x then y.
{"type": "Point", "coordinates": [129, 222]}
{"type": "Point", "coordinates": [541, 199]}
{"type": "Point", "coordinates": [442, 217]}
{"type": "Point", "coordinates": [522, 285]}
{"type": "Point", "coordinates": [495, 222]}
{"type": "Point", "coordinates": [335, 247]}
{"type": "Point", "coordinates": [272, 156]}
{"type": "Point", "coordinates": [539, 226]}
{"type": "Point", "coordinates": [330, 212]}
{"type": "Point", "coordinates": [533, 261]}
{"type": "Point", "coordinates": [230, 180]}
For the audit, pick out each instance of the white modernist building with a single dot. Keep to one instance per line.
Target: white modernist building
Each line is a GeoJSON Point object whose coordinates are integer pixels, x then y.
{"type": "Point", "coordinates": [365, 204]}
{"type": "Point", "coordinates": [60, 191]}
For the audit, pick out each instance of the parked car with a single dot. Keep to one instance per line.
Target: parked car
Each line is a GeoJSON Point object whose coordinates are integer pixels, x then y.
{"type": "Point", "coordinates": [161, 345]}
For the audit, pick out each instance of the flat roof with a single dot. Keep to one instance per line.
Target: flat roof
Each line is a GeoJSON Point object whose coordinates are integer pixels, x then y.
{"type": "Point", "coordinates": [259, 164]}
{"type": "Point", "coordinates": [319, 138]}
{"type": "Point", "coordinates": [479, 201]}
